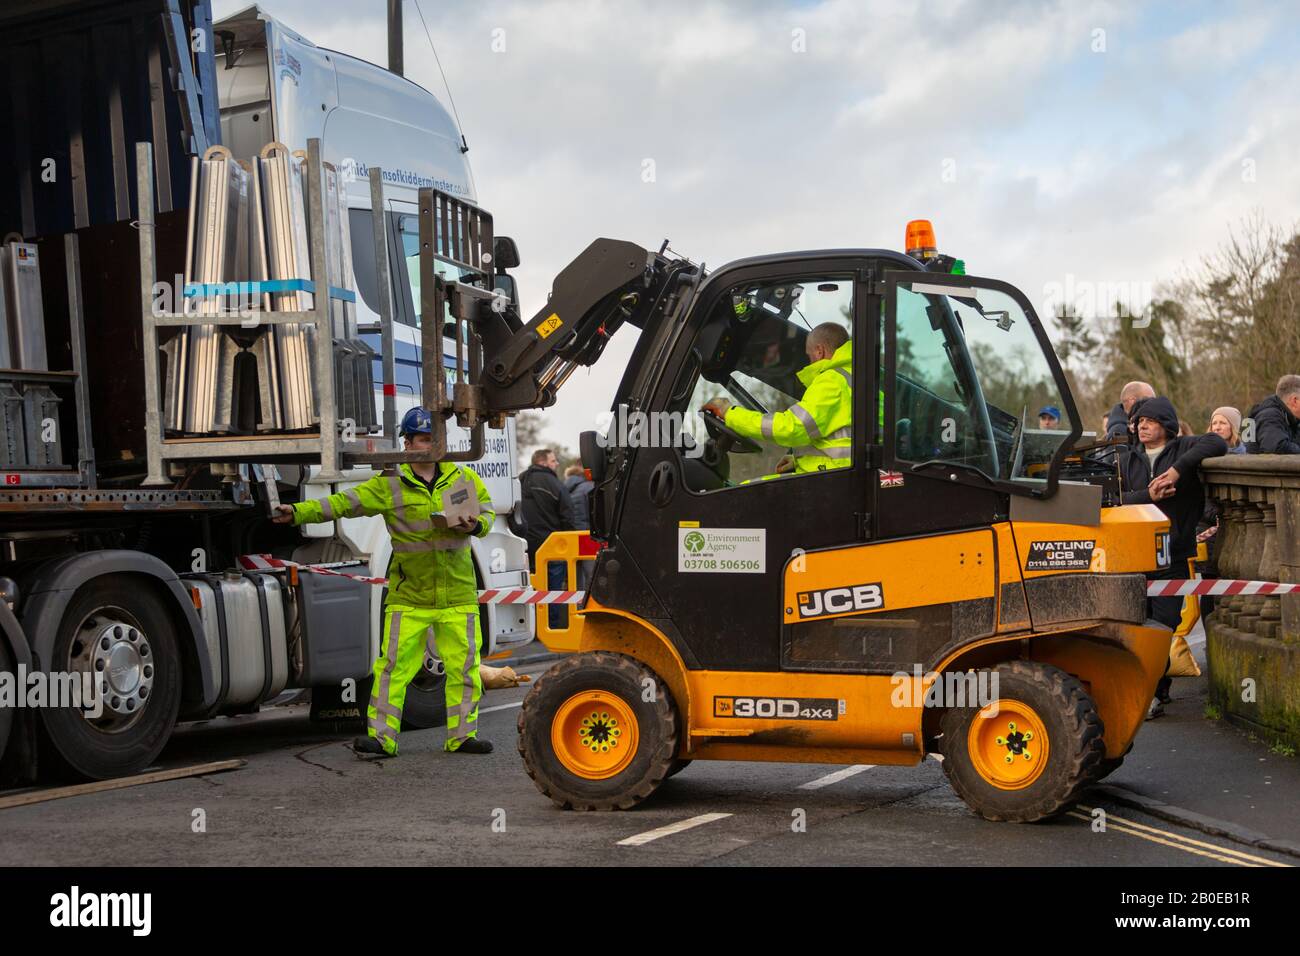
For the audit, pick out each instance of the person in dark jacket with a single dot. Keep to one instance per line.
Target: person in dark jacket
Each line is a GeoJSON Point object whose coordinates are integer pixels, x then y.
{"type": "Point", "coordinates": [1117, 422]}
{"type": "Point", "coordinates": [579, 487]}
{"type": "Point", "coordinates": [1163, 469]}
{"type": "Point", "coordinates": [1277, 420]}
{"type": "Point", "coordinates": [547, 508]}
{"type": "Point", "coordinates": [546, 505]}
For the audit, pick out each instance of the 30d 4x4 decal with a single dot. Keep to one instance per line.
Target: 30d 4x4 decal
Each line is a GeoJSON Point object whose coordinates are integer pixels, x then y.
{"type": "Point", "coordinates": [779, 708]}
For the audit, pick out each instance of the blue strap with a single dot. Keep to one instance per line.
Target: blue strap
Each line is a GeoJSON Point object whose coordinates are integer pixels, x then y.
{"type": "Point", "coordinates": [207, 290]}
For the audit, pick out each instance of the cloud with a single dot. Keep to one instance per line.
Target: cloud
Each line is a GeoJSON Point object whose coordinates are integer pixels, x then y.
{"type": "Point", "coordinates": [1035, 156]}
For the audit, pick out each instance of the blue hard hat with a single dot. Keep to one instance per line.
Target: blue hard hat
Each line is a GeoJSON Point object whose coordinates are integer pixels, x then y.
{"type": "Point", "coordinates": [1050, 410]}
{"type": "Point", "coordinates": [417, 422]}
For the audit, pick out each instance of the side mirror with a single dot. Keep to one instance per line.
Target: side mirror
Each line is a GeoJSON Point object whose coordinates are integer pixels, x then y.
{"type": "Point", "coordinates": [593, 455]}
{"type": "Point", "coordinates": [506, 284]}
{"type": "Point", "coordinates": [505, 254]}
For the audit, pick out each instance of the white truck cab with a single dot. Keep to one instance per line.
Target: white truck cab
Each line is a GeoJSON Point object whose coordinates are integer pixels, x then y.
{"type": "Point", "coordinates": [276, 85]}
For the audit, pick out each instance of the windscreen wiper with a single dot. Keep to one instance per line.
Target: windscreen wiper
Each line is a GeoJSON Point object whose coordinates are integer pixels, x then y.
{"type": "Point", "coordinates": [958, 465]}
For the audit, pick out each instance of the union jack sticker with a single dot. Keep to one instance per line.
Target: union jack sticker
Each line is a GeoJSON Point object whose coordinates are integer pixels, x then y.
{"type": "Point", "coordinates": [890, 479]}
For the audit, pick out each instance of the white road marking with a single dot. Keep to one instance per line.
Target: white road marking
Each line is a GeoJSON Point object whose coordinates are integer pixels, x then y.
{"type": "Point", "coordinates": [836, 777]}
{"type": "Point", "coordinates": [488, 710]}
{"type": "Point", "coordinates": [643, 838]}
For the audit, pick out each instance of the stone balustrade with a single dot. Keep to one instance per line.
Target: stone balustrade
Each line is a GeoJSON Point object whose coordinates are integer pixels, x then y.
{"type": "Point", "coordinates": [1253, 642]}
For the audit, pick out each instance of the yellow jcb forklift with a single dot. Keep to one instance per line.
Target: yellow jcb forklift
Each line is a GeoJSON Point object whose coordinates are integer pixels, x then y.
{"type": "Point", "coordinates": [960, 582]}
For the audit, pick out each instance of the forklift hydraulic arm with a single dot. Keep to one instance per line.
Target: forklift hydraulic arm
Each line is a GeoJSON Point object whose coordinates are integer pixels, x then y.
{"type": "Point", "coordinates": [609, 283]}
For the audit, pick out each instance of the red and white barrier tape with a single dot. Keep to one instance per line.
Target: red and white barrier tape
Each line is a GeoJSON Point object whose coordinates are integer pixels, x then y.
{"type": "Point", "coordinates": [1183, 588]}
{"type": "Point", "coordinates": [264, 562]}
{"type": "Point", "coordinates": [1171, 588]}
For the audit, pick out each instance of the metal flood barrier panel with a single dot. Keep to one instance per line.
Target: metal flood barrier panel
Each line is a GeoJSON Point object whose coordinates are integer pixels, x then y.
{"type": "Point", "coordinates": [29, 411]}
{"type": "Point", "coordinates": [253, 228]}
{"type": "Point", "coordinates": [281, 229]}
{"type": "Point", "coordinates": [200, 389]}
{"type": "Point", "coordinates": [24, 311]}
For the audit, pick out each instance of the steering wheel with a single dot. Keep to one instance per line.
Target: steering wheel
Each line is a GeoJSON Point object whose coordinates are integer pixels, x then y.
{"type": "Point", "coordinates": [726, 439]}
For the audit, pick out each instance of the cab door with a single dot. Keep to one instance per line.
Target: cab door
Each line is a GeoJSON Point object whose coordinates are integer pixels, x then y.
{"type": "Point", "coordinates": [706, 528]}
{"type": "Point", "coordinates": [966, 367]}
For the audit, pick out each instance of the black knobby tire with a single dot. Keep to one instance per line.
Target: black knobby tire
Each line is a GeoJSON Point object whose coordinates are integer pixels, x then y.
{"type": "Point", "coordinates": [75, 746]}
{"type": "Point", "coordinates": [657, 731]}
{"type": "Point", "coordinates": [1075, 745]}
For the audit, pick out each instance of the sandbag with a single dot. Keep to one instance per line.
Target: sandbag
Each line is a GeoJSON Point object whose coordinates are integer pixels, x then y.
{"type": "Point", "coordinates": [1181, 662]}
{"type": "Point", "coordinates": [497, 678]}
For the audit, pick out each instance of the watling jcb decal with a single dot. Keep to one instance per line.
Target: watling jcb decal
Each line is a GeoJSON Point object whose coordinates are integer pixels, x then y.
{"type": "Point", "coordinates": [855, 597]}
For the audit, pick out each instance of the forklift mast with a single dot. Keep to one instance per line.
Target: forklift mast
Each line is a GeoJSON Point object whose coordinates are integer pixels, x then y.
{"type": "Point", "coordinates": [504, 365]}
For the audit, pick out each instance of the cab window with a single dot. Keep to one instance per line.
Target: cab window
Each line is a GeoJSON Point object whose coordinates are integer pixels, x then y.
{"type": "Point", "coordinates": [971, 377]}
{"type": "Point", "coordinates": [408, 230]}
{"type": "Point", "coordinates": [750, 351]}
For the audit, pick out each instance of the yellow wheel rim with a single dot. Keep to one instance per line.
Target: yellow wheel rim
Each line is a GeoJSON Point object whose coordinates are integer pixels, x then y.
{"type": "Point", "coordinates": [1009, 750]}
{"type": "Point", "coordinates": [594, 734]}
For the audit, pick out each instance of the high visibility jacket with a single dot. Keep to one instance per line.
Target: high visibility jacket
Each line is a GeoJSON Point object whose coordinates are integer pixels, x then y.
{"type": "Point", "coordinates": [431, 567]}
{"type": "Point", "coordinates": [819, 427]}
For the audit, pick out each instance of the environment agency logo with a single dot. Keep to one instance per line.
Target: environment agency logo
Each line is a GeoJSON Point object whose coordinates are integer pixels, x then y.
{"type": "Point", "coordinates": [694, 542]}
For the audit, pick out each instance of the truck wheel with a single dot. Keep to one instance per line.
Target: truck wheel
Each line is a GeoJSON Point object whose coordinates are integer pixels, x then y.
{"type": "Point", "coordinates": [7, 666]}
{"type": "Point", "coordinates": [426, 696]}
{"type": "Point", "coordinates": [590, 740]}
{"type": "Point", "coordinates": [426, 701]}
{"type": "Point", "coordinates": [1029, 761]}
{"type": "Point", "coordinates": [121, 630]}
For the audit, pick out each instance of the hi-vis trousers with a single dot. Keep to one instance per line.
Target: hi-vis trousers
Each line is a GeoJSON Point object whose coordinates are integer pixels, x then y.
{"type": "Point", "coordinates": [408, 631]}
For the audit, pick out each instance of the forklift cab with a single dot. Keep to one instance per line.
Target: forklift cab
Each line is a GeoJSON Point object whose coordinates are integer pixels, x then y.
{"type": "Point", "coordinates": [948, 372]}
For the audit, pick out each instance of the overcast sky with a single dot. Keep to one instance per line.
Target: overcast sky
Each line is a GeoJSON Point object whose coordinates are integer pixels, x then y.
{"type": "Point", "coordinates": [1058, 146]}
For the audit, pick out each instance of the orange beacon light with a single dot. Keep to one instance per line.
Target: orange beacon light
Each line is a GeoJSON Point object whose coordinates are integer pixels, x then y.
{"type": "Point", "coordinates": [920, 242]}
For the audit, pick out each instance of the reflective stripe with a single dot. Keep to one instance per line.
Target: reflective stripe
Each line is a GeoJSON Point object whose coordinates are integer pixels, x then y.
{"type": "Point", "coordinates": [809, 423]}
{"type": "Point", "coordinates": [848, 376]}
{"type": "Point", "coordinates": [467, 702]}
{"type": "Point", "coordinates": [386, 709]}
{"type": "Point", "coordinates": [844, 452]}
{"type": "Point", "coordinates": [354, 500]}
{"type": "Point", "coordinates": [399, 502]}
{"type": "Point", "coordinates": [841, 433]}
{"type": "Point", "coordinates": [378, 723]}
{"type": "Point", "coordinates": [436, 544]}
{"type": "Point", "coordinates": [766, 425]}
{"type": "Point", "coordinates": [409, 546]}
{"type": "Point", "coordinates": [410, 527]}
{"type": "Point", "coordinates": [327, 509]}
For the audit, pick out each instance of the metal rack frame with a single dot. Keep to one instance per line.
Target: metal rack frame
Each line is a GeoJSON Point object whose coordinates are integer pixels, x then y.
{"type": "Point", "coordinates": [465, 231]}
{"type": "Point", "coordinates": [322, 446]}
{"type": "Point", "coordinates": [20, 480]}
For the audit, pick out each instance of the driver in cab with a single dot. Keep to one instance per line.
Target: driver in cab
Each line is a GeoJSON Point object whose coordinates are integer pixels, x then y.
{"type": "Point", "coordinates": [818, 428]}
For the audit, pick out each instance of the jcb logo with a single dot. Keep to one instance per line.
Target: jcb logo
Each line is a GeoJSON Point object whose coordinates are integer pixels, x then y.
{"type": "Point", "coordinates": [1163, 557]}
{"type": "Point", "coordinates": [857, 597]}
